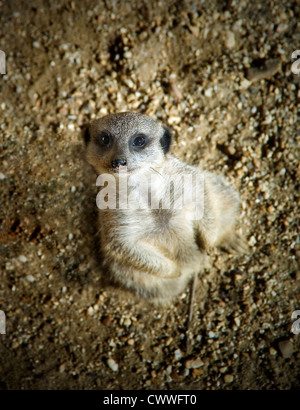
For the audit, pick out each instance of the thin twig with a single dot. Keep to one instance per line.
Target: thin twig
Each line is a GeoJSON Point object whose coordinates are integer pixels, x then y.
{"type": "Point", "coordinates": [190, 317]}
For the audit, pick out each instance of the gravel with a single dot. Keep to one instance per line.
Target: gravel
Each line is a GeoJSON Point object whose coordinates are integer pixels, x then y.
{"type": "Point", "coordinates": [220, 74]}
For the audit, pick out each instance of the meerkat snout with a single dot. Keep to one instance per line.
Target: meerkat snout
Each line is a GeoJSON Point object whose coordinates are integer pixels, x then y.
{"type": "Point", "coordinates": [116, 163]}
{"type": "Point", "coordinates": [155, 251]}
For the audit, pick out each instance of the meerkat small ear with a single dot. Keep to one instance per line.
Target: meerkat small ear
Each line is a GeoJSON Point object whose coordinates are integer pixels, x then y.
{"type": "Point", "coordinates": [165, 140]}
{"type": "Point", "coordinates": [85, 131]}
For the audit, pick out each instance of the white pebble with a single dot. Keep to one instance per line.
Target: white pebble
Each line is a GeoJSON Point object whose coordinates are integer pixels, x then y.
{"type": "Point", "coordinates": [178, 354]}
{"type": "Point", "coordinates": [208, 92]}
{"type": "Point", "coordinates": [245, 83]}
{"type": "Point", "coordinates": [112, 365]}
{"type": "Point", "coordinates": [252, 241]}
{"type": "Point", "coordinates": [90, 310]}
{"type": "Point", "coordinates": [230, 40]}
{"type": "Point", "coordinates": [128, 54]}
{"type": "Point", "coordinates": [127, 322]}
{"type": "Point", "coordinates": [22, 258]}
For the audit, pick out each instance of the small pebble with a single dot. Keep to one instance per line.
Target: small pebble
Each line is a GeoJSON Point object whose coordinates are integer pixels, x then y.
{"type": "Point", "coordinates": [62, 368]}
{"type": "Point", "coordinates": [127, 322]}
{"type": "Point", "coordinates": [169, 341]}
{"type": "Point", "coordinates": [193, 363]}
{"type": "Point", "coordinates": [256, 162]}
{"type": "Point", "coordinates": [90, 311]}
{"type": "Point", "coordinates": [107, 320]}
{"type": "Point", "coordinates": [112, 365]}
{"type": "Point", "coordinates": [286, 348]}
{"type": "Point", "coordinates": [230, 40]}
{"type": "Point", "coordinates": [128, 54]}
{"type": "Point", "coordinates": [197, 372]}
{"type": "Point", "coordinates": [178, 354]}
{"type": "Point", "coordinates": [231, 150]}
{"type": "Point", "coordinates": [245, 84]}
{"type": "Point", "coordinates": [212, 335]}
{"type": "Point", "coordinates": [228, 378]}
{"type": "Point", "coordinates": [208, 92]}
{"type": "Point", "coordinates": [252, 241]}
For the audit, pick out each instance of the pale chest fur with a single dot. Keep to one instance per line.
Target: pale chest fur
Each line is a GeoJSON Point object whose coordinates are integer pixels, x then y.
{"type": "Point", "coordinates": [168, 228]}
{"type": "Point", "coordinates": [165, 229]}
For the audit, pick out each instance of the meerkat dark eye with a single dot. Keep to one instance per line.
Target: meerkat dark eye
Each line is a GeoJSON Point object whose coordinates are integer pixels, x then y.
{"type": "Point", "coordinates": [103, 138]}
{"type": "Point", "coordinates": [139, 141]}
{"type": "Point", "coordinates": [165, 140]}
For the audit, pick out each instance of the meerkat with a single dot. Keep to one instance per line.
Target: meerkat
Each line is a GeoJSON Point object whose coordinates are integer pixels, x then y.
{"type": "Point", "coordinates": [154, 249]}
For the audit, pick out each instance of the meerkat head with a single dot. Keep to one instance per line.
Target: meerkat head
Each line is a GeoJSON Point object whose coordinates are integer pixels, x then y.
{"type": "Point", "coordinates": [126, 141]}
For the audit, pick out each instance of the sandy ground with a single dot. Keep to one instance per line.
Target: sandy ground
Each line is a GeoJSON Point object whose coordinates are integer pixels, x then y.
{"type": "Point", "coordinates": [220, 74]}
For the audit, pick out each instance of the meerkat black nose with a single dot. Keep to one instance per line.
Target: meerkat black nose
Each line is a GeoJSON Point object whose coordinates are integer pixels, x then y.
{"type": "Point", "coordinates": [117, 162]}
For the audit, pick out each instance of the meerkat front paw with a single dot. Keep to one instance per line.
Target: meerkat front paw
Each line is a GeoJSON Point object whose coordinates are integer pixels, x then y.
{"type": "Point", "coordinates": [169, 270]}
